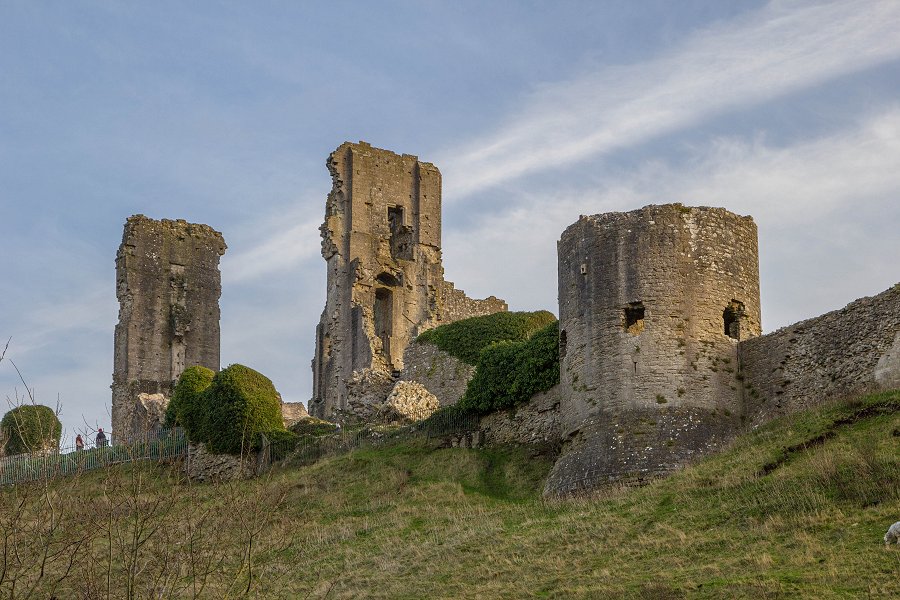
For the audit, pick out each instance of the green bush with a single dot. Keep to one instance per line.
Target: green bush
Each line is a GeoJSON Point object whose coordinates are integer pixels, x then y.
{"type": "Point", "coordinates": [467, 338]}
{"type": "Point", "coordinates": [509, 373]}
{"type": "Point", "coordinates": [30, 428]}
{"type": "Point", "coordinates": [186, 408]}
{"type": "Point", "coordinates": [239, 405]}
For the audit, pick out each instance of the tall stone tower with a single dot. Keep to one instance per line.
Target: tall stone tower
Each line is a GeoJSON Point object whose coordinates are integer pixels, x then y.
{"type": "Point", "coordinates": [652, 305]}
{"type": "Point", "coordinates": [382, 242]}
{"type": "Point", "coordinates": [168, 285]}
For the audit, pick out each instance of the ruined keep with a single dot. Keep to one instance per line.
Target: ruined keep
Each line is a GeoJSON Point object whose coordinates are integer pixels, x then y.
{"type": "Point", "coordinates": [382, 241]}
{"type": "Point", "coordinates": [168, 285]}
{"type": "Point", "coordinates": [653, 304]}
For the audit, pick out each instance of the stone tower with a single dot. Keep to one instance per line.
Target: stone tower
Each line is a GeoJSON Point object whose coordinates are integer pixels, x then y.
{"type": "Point", "coordinates": [168, 285]}
{"type": "Point", "coordinates": [382, 242]}
{"type": "Point", "coordinates": [652, 305]}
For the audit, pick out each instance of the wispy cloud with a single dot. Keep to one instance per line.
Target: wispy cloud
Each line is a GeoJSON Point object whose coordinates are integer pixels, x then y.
{"type": "Point", "coordinates": [278, 247]}
{"type": "Point", "coordinates": [784, 47]}
{"type": "Point", "coordinates": [829, 196]}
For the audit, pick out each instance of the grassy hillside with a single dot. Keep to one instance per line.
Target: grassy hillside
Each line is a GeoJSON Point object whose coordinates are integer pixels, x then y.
{"type": "Point", "coordinates": [796, 509]}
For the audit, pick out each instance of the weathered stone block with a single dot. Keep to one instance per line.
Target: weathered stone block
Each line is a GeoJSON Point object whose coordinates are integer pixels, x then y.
{"type": "Point", "coordinates": [408, 402]}
{"type": "Point", "coordinates": [292, 412]}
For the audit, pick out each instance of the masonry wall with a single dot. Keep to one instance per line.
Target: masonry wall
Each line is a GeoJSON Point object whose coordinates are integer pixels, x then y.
{"type": "Point", "coordinates": [844, 352]}
{"type": "Point", "coordinates": [534, 423]}
{"type": "Point", "coordinates": [456, 306]}
{"type": "Point", "coordinates": [442, 374]}
{"type": "Point", "coordinates": [653, 303]}
{"type": "Point", "coordinates": [168, 286]}
{"type": "Point", "coordinates": [381, 241]}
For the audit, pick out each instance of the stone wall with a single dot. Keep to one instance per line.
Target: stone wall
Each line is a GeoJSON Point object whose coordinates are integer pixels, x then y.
{"type": "Point", "coordinates": [442, 374]}
{"type": "Point", "coordinates": [204, 466]}
{"type": "Point", "coordinates": [381, 240]}
{"type": "Point", "coordinates": [168, 286]}
{"type": "Point", "coordinates": [848, 351]}
{"type": "Point", "coordinates": [653, 303]}
{"type": "Point", "coordinates": [456, 306]}
{"type": "Point", "coordinates": [534, 423]}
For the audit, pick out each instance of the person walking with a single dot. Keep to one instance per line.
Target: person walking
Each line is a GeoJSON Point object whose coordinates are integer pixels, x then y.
{"type": "Point", "coordinates": [101, 438]}
{"type": "Point", "coordinates": [79, 443]}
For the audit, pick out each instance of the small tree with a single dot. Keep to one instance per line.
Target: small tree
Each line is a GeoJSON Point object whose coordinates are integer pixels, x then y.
{"type": "Point", "coordinates": [30, 428]}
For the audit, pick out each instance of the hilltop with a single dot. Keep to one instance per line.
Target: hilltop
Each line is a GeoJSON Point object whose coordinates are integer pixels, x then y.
{"type": "Point", "coordinates": [796, 508]}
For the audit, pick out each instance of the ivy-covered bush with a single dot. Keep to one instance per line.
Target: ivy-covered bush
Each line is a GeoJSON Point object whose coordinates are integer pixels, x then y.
{"type": "Point", "coordinates": [239, 405]}
{"type": "Point", "coordinates": [466, 339]}
{"type": "Point", "coordinates": [30, 428]}
{"type": "Point", "coordinates": [186, 408]}
{"type": "Point", "coordinates": [508, 373]}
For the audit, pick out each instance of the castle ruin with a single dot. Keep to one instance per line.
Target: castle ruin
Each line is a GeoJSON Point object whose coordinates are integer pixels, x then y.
{"type": "Point", "coordinates": [381, 240]}
{"type": "Point", "coordinates": [661, 354]}
{"type": "Point", "coordinates": [168, 286]}
{"type": "Point", "coordinates": [653, 304]}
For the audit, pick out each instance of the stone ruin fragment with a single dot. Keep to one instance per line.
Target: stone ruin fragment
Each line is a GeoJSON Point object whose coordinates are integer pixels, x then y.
{"type": "Point", "coordinates": [382, 241]}
{"type": "Point", "coordinates": [168, 285]}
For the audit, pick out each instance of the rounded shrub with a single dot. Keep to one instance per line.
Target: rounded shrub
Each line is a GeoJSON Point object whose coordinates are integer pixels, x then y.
{"type": "Point", "coordinates": [509, 373]}
{"type": "Point", "coordinates": [239, 405]}
{"type": "Point", "coordinates": [30, 428]}
{"type": "Point", "coordinates": [186, 407]}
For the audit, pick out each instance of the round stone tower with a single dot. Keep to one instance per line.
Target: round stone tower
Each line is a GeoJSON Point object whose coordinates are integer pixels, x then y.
{"type": "Point", "coordinates": [652, 305]}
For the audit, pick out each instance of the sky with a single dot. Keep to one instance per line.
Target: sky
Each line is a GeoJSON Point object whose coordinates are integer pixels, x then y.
{"type": "Point", "coordinates": [536, 112]}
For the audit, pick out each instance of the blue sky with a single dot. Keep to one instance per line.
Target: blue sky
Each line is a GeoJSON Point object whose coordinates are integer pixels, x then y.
{"type": "Point", "coordinates": [535, 112]}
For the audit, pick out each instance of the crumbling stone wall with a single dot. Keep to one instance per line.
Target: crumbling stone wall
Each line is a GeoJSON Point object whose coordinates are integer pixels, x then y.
{"type": "Point", "coordinates": [168, 285]}
{"type": "Point", "coordinates": [442, 374]}
{"type": "Point", "coordinates": [382, 241]}
{"type": "Point", "coordinates": [534, 423]}
{"type": "Point", "coordinates": [653, 303]}
{"type": "Point", "coordinates": [456, 306]}
{"type": "Point", "coordinates": [844, 352]}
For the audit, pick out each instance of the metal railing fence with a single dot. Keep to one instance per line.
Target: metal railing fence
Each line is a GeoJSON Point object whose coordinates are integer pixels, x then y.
{"type": "Point", "coordinates": [158, 444]}
{"type": "Point", "coordinates": [163, 444]}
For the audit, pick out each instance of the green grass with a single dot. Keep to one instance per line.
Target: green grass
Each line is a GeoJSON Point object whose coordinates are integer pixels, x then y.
{"type": "Point", "coordinates": [795, 509]}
